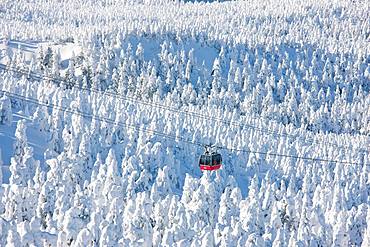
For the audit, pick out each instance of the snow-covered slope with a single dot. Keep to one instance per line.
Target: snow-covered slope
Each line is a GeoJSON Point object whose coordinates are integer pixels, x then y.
{"type": "Point", "coordinates": [105, 107]}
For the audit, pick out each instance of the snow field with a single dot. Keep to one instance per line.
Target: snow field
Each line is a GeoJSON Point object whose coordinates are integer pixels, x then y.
{"type": "Point", "coordinates": [105, 105]}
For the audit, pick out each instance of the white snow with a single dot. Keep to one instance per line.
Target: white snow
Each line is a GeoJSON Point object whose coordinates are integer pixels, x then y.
{"type": "Point", "coordinates": [105, 107]}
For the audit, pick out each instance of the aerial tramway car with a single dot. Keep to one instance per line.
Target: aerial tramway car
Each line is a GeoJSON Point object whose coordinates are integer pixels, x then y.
{"type": "Point", "coordinates": [210, 160]}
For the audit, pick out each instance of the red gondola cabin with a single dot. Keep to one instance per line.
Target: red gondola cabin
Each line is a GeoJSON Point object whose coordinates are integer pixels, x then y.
{"type": "Point", "coordinates": [210, 161]}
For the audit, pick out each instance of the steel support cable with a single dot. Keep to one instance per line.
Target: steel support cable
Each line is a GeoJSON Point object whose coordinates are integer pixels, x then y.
{"type": "Point", "coordinates": [167, 136]}
{"type": "Point", "coordinates": [100, 119]}
{"type": "Point", "coordinates": [164, 107]}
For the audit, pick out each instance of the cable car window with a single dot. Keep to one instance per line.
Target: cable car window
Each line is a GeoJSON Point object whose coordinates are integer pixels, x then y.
{"type": "Point", "coordinates": [217, 158]}
{"type": "Point", "coordinates": [202, 159]}
{"type": "Point", "coordinates": [208, 160]}
{"type": "Point", "coordinates": [214, 160]}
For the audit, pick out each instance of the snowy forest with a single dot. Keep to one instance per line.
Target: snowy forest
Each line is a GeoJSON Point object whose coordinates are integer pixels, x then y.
{"type": "Point", "coordinates": [106, 106]}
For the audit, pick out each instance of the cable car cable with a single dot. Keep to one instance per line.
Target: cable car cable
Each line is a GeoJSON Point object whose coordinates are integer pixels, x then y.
{"type": "Point", "coordinates": [101, 119]}
{"type": "Point", "coordinates": [199, 115]}
{"type": "Point", "coordinates": [166, 136]}
{"type": "Point", "coordinates": [191, 113]}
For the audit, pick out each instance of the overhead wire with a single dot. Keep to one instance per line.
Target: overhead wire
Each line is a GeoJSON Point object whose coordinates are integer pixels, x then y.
{"type": "Point", "coordinates": [164, 135]}
{"type": "Point", "coordinates": [100, 119]}
{"type": "Point", "coordinates": [164, 107]}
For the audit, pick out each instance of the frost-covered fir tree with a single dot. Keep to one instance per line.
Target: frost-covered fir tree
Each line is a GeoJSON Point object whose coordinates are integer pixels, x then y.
{"type": "Point", "coordinates": [6, 116]}
{"type": "Point", "coordinates": [22, 164]}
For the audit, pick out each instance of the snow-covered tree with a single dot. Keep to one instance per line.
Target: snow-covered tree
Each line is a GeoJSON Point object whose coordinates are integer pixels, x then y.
{"type": "Point", "coordinates": [22, 165]}
{"type": "Point", "coordinates": [6, 116]}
